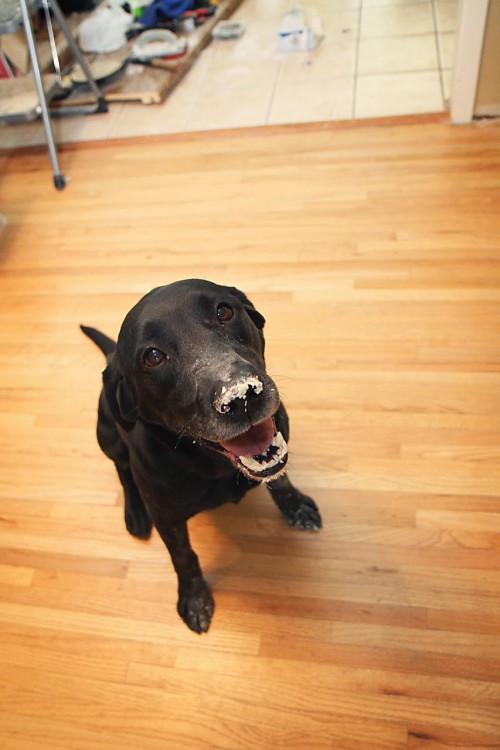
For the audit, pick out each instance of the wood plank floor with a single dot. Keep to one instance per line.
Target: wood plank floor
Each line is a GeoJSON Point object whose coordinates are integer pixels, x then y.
{"type": "Point", "coordinates": [374, 254]}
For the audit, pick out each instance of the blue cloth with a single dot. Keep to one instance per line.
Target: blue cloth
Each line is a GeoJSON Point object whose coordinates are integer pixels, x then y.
{"type": "Point", "coordinates": [162, 10]}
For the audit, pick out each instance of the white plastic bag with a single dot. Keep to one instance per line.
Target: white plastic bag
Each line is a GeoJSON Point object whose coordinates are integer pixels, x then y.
{"type": "Point", "coordinates": [104, 30]}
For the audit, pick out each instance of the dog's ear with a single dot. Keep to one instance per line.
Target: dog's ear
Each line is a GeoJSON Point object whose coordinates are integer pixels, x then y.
{"type": "Point", "coordinates": [254, 315]}
{"type": "Point", "coordinates": [119, 396]}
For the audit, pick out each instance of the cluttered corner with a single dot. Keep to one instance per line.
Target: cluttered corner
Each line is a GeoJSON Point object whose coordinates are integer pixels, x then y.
{"type": "Point", "coordinates": [136, 50]}
{"type": "Point", "coordinates": [141, 49]}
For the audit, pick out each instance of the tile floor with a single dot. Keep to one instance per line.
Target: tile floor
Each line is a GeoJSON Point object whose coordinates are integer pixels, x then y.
{"type": "Point", "coordinates": [378, 58]}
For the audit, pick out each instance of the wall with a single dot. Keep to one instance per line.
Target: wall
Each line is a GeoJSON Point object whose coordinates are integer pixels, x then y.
{"type": "Point", "coordinates": [488, 88]}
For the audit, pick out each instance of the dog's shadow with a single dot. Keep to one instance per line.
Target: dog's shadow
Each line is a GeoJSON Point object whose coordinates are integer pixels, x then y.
{"type": "Point", "coordinates": [248, 546]}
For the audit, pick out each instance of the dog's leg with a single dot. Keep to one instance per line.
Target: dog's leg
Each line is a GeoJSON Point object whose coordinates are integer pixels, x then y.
{"type": "Point", "coordinates": [298, 509]}
{"type": "Point", "coordinates": [137, 518]}
{"type": "Point", "coordinates": [195, 604]}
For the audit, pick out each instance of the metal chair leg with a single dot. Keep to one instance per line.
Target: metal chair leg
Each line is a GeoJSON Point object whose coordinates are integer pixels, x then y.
{"type": "Point", "coordinates": [59, 179]}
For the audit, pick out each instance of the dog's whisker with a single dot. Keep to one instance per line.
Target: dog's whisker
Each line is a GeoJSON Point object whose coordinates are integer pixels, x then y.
{"type": "Point", "coordinates": [182, 433]}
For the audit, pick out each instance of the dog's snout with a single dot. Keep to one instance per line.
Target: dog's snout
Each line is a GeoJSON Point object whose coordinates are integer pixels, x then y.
{"type": "Point", "coordinates": [236, 396]}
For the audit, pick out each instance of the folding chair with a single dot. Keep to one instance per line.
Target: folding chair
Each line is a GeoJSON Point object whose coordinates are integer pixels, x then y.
{"type": "Point", "coordinates": [17, 13]}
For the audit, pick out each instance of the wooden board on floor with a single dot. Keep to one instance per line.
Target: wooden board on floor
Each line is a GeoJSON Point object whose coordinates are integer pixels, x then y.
{"type": "Point", "coordinates": [153, 84]}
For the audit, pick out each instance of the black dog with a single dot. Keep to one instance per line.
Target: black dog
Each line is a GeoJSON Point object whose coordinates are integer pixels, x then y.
{"type": "Point", "coordinates": [191, 420]}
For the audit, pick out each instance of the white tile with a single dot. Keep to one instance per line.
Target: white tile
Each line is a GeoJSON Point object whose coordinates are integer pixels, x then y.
{"type": "Point", "coordinates": [446, 15]}
{"type": "Point", "coordinates": [21, 134]}
{"type": "Point", "coordinates": [385, 3]}
{"type": "Point", "coordinates": [341, 25]}
{"type": "Point", "coordinates": [399, 20]}
{"type": "Point", "coordinates": [261, 10]}
{"type": "Point", "coordinates": [326, 62]}
{"type": "Point", "coordinates": [230, 107]}
{"type": "Point", "coordinates": [312, 101]}
{"type": "Point", "coordinates": [241, 72]}
{"type": "Point", "coordinates": [398, 94]}
{"type": "Point", "coordinates": [260, 39]}
{"type": "Point", "coordinates": [273, 10]}
{"type": "Point", "coordinates": [171, 116]}
{"type": "Point", "coordinates": [86, 127]}
{"type": "Point", "coordinates": [153, 119]}
{"type": "Point", "coordinates": [194, 79]}
{"type": "Point", "coordinates": [397, 54]}
{"type": "Point", "coordinates": [446, 46]}
{"type": "Point", "coordinates": [447, 79]}
{"type": "Point", "coordinates": [327, 7]}
{"type": "Point", "coordinates": [259, 42]}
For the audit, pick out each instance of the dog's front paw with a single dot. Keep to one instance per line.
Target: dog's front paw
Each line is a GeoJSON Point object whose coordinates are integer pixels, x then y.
{"type": "Point", "coordinates": [303, 513]}
{"type": "Point", "coordinates": [298, 509]}
{"type": "Point", "coordinates": [196, 606]}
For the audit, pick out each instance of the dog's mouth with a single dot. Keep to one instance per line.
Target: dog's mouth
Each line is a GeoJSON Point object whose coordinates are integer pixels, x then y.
{"type": "Point", "coordinates": [260, 453]}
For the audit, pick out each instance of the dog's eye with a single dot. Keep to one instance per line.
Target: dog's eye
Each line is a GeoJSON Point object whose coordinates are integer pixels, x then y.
{"type": "Point", "coordinates": [224, 313]}
{"type": "Point", "coordinates": [154, 357]}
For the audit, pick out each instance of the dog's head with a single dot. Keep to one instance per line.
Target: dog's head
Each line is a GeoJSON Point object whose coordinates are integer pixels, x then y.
{"type": "Point", "coordinates": [190, 358]}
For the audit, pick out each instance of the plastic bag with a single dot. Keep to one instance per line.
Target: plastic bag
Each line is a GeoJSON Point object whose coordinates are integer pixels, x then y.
{"type": "Point", "coordinates": [104, 30]}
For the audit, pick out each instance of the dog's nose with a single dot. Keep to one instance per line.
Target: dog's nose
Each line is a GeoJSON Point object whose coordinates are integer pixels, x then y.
{"type": "Point", "coordinates": [236, 396]}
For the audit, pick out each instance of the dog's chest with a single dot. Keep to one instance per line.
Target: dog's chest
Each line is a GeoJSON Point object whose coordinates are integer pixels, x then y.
{"type": "Point", "coordinates": [183, 475]}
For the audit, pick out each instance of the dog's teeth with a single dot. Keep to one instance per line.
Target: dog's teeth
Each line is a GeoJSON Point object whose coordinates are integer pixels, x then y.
{"type": "Point", "coordinates": [275, 458]}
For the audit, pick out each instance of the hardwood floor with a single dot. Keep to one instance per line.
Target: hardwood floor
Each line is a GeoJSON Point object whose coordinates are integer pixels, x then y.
{"type": "Point", "coordinates": [374, 254]}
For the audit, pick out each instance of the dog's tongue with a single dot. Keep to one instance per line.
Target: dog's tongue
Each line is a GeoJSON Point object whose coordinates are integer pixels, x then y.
{"type": "Point", "coordinates": [253, 442]}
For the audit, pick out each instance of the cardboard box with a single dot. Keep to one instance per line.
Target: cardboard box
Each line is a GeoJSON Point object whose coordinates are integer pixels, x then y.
{"type": "Point", "coordinates": [15, 47]}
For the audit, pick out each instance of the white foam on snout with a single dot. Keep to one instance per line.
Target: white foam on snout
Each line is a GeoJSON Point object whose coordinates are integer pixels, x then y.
{"type": "Point", "coordinates": [239, 389]}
